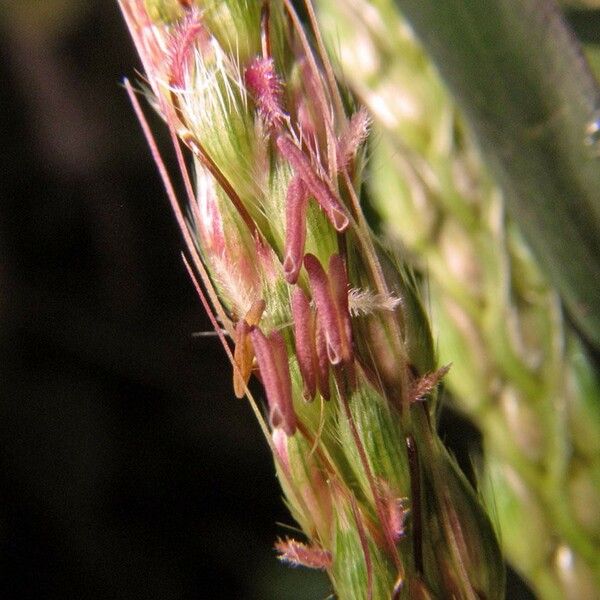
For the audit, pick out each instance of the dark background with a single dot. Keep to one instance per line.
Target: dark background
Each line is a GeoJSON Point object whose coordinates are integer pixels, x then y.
{"type": "Point", "coordinates": [126, 468]}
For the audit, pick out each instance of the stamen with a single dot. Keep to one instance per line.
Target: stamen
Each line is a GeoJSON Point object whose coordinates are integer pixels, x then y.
{"type": "Point", "coordinates": [244, 352]}
{"type": "Point", "coordinates": [295, 229]}
{"type": "Point", "coordinates": [332, 206]}
{"type": "Point", "coordinates": [319, 284]}
{"type": "Point", "coordinates": [274, 369]}
{"type": "Point", "coordinates": [322, 361]}
{"type": "Point", "coordinates": [304, 339]}
{"type": "Point", "coordinates": [255, 312]}
{"type": "Point", "coordinates": [243, 355]}
{"type": "Point", "coordinates": [338, 280]}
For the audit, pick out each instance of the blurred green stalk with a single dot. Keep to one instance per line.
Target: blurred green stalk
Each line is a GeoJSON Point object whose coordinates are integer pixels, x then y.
{"type": "Point", "coordinates": [528, 95]}
{"type": "Point", "coordinates": [518, 372]}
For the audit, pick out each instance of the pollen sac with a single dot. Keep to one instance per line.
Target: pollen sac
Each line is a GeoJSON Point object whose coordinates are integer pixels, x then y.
{"type": "Point", "coordinates": [328, 317]}
{"type": "Point", "coordinates": [272, 360]}
{"type": "Point", "coordinates": [244, 351]}
{"type": "Point", "coordinates": [305, 342]}
{"type": "Point", "coordinates": [322, 361]}
{"type": "Point", "coordinates": [319, 189]}
{"type": "Point", "coordinates": [330, 293]}
{"type": "Point", "coordinates": [264, 86]}
{"type": "Point", "coordinates": [243, 356]}
{"type": "Point", "coordinates": [295, 232]}
{"type": "Point", "coordinates": [311, 348]}
{"type": "Point", "coordinates": [338, 281]}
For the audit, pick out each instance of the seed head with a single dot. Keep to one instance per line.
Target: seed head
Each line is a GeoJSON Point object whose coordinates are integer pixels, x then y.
{"type": "Point", "coordinates": [240, 86]}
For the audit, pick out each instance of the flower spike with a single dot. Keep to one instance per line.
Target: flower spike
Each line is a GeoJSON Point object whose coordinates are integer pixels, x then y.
{"type": "Point", "coordinates": [252, 95]}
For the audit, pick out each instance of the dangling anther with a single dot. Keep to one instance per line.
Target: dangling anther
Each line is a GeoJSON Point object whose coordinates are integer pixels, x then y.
{"type": "Point", "coordinates": [320, 190]}
{"type": "Point", "coordinates": [243, 353]}
{"type": "Point", "coordinates": [274, 368]}
{"type": "Point", "coordinates": [330, 293]}
{"type": "Point", "coordinates": [295, 228]}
